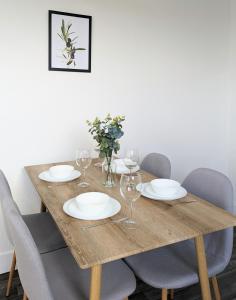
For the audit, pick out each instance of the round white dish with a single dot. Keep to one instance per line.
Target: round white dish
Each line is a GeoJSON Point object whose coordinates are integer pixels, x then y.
{"type": "Point", "coordinates": [147, 192]}
{"type": "Point", "coordinates": [168, 192]}
{"type": "Point", "coordinates": [46, 176]}
{"type": "Point", "coordinates": [126, 170]}
{"type": "Point", "coordinates": [119, 167]}
{"type": "Point", "coordinates": [61, 171]}
{"type": "Point", "coordinates": [161, 185]}
{"type": "Point", "coordinates": [70, 208]}
{"type": "Point", "coordinates": [92, 201]}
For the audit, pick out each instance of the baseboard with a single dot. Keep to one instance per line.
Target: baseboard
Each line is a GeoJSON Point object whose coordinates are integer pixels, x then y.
{"type": "Point", "coordinates": [5, 261]}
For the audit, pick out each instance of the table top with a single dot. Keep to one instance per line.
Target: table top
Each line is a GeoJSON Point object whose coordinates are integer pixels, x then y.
{"type": "Point", "coordinates": [158, 223]}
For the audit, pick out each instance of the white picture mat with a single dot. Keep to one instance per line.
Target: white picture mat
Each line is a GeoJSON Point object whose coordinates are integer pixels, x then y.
{"type": "Point", "coordinates": [81, 28]}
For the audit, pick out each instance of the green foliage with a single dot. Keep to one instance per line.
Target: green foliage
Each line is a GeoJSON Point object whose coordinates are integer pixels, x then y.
{"type": "Point", "coordinates": [70, 43]}
{"type": "Point", "coordinates": [106, 133]}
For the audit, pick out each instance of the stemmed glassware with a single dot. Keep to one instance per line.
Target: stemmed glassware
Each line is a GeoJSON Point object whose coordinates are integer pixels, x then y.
{"type": "Point", "coordinates": [129, 191]}
{"type": "Point", "coordinates": [83, 161]}
{"type": "Point", "coordinates": [131, 159]}
{"type": "Point", "coordinates": [99, 160]}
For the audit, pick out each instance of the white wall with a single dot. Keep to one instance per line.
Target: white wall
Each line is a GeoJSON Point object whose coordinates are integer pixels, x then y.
{"type": "Point", "coordinates": [162, 63]}
{"type": "Point", "coordinates": [232, 94]}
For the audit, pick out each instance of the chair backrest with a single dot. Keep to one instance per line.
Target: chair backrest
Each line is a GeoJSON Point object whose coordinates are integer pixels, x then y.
{"type": "Point", "coordinates": [157, 164]}
{"type": "Point", "coordinates": [30, 266]}
{"type": "Point", "coordinates": [5, 193]}
{"type": "Point", "coordinates": [216, 188]}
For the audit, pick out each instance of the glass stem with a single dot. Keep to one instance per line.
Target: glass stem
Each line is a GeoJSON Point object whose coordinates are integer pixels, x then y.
{"type": "Point", "coordinates": [108, 168]}
{"type": "Point", "coordinates": [84, 171]}
{"type": "Point", "coordinates": [131, 210]}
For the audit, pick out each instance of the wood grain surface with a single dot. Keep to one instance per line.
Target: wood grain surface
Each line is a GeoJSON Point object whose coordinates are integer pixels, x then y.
{"type": "Point", "coordinates": [158, 223]}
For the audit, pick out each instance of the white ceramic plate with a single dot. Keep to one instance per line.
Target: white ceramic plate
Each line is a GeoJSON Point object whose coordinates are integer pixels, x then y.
{"type": "Point", "coordinates": [46, 176]}
{"type": "Point", "coordinates": [126, 170]}
{"type": "Point", "coordinates": [147, 192]}
{"type": "Point", "coordinates": [71, 208]}
{"type": "Point", "coordinates": [119, 167]}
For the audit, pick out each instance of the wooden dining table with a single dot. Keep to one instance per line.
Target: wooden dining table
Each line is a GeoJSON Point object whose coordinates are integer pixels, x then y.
{"type": "Point", "coordinates": [158, 224]}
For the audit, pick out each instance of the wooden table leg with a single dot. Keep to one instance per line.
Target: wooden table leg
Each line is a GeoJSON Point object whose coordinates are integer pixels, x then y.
{"type": "Point", "coordinates": [202, 268]}
{"type": "Point", "coordinates": [25, 297]}
{"type": "Point", "coordinates": [95, 282]}
{"type": "Point", "coordinates": [43, 207]}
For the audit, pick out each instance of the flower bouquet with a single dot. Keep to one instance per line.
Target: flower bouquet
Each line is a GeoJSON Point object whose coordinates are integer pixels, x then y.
{"type": "Point", "coordinates": [106, 133]}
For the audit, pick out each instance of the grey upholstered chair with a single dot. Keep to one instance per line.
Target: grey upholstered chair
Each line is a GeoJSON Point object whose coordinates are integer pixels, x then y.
{"type": "Point", "coordinates": [157, 164]}
{"type": "Point", "coordinates": [175, 266]}
{"type": "Point", "coordinates": [55, 275]}
{"type": "Point", "coordinates": [41, 225]}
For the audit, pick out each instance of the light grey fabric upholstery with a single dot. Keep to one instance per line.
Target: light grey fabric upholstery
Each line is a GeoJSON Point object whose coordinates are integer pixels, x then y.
{"type": "Point", "coordinates": [68, 281]}
{"type": "Point", "coordinates": [41, 225]}
{"type": "Point", "coordinates": [175, 266]}
{"type": "Point", "coordinates": [217, 189]}
{"type": "Point", "coordinates": [44, 231]}
{"type": "Point", "coordinates": [157, 164]}
{"type": "Point", "coordinates": [5, 194]}
{"type": "Point", "coordinates": [29, 263]}
{"type": "Point", "coordinates": [55, 275]}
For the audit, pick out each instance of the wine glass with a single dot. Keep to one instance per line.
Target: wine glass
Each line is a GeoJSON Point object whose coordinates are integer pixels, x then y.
{"type": "Point", "coordinates": [130, 192]}
{"type": "Point", "coordinates": [131, 159]}
{"type": "Point", "coordinates": [99, 159]}
{"type": "Point", "coordinates": [83, 161]}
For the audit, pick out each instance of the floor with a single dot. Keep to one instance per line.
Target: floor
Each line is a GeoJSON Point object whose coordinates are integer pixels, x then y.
{"type": "Point", "coordinates": [227, 282]}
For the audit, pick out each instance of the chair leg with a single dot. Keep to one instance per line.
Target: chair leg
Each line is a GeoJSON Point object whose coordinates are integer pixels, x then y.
{"type": "Point", "coordinates": [164, 293]}
{"type": "Point", "coordinates": [11, 274]}
{"type": "Point", "coordinates": [25, 297]}
{"type": "Point", "coordinates": [172, 294]}
{"type": "Point", "coordinates": [216, 288]}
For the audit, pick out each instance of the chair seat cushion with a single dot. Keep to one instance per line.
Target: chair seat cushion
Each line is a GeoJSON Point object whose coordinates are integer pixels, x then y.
{"type": "Point", "coordinates": [44, 231]}
{"type": "Point", "coordinates": [173, 266]}
{"type": "Point", "coordinates": [68, 281]}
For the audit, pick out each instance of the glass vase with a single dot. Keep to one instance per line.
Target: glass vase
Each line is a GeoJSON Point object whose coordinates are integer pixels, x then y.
{"type": "Point", "coordinates": [109, 172]}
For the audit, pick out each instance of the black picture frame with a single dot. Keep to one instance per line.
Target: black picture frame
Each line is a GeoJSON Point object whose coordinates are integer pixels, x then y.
{"type": "Point", "coordinates": [52, 66]}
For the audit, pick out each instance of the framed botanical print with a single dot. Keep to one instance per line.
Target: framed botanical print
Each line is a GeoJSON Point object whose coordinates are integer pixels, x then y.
{"type": "Point", "coordinates": [69, 42]}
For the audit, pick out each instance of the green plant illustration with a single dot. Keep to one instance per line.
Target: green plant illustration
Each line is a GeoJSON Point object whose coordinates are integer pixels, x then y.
{"type": "Point", "coordinates": [70, 40]}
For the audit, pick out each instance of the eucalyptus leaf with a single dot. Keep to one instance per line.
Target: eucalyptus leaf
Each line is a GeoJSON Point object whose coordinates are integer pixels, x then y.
{"type": "Point", "coordinates": [106, 133]}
